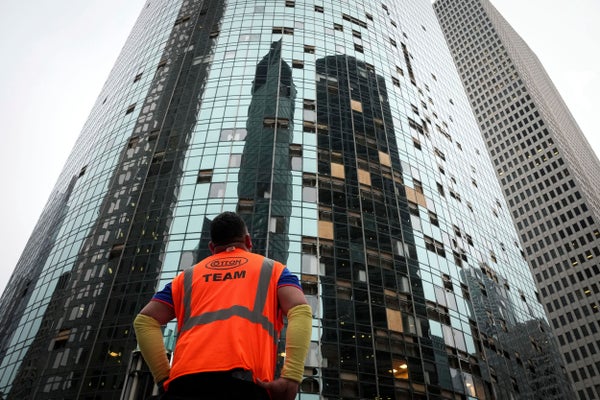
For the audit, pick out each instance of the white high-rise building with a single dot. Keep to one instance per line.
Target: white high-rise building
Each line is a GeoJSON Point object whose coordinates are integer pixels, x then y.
{"type": "Point", "coordinates": [549, 174]}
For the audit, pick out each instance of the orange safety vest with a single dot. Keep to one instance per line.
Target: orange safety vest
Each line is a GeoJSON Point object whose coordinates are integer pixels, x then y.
{"type": "Point", "coordinates": [227, 315]}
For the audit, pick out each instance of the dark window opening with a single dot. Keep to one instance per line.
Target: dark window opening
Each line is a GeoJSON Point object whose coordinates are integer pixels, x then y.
{"type": "Point", "coordinates": [283, 123]}
{"type": "Point", "coordinates": [283, 30]}
{"type": "Point", "coordinates": [204, 176]}
{"type": "Point", "coordinates": [309, 49]}
{"type": "Point", "coordinates": [130, 109]}
{"type": "Point", "coordinates": [61, 339]}
{"type": "Point", "coordinates": [116, 251]}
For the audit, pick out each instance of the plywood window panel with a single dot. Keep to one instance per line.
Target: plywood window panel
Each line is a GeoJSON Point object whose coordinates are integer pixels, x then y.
{"type": "Point", "coordinates": [356, 105]}
{"type": "Point", "coordinates": [394, 320]}
{"type": "Point", "coordinates": [384, 159]}
{"type": "Point", "coordinates": [364, 177]}
{"type": "Point", "coordinates": [326, 230]}
{"type": "Point", "coordinates": [337, 170]}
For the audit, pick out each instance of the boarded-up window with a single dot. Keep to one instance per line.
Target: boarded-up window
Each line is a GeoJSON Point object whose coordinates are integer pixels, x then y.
{"type": "Point", "coordinates": [394, 320]}
{"type": "Point", "coordinates": [356, 105]}
{"type": "Point", "coordinates": [384, 159]}
{"type": "Point", "coordinates": [364, 177]}
{"type": "Point", "coordinates": [415, 196]}
{"type": "Point", "coordinates": [337, 170]}
{"type": "Point", "coordinates": [326, 229]}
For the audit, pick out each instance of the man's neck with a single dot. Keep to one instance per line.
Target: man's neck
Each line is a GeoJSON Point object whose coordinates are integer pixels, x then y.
{"type": "Point", "coordinates": [230, 247]}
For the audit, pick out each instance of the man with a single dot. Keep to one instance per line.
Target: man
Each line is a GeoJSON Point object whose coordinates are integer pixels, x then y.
{"type": "Point", "coordinates": [229, 309]}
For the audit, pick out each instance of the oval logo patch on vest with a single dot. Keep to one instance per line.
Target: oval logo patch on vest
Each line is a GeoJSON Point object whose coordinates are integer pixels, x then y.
{"type": "Point", "coordinates": [227, 263]}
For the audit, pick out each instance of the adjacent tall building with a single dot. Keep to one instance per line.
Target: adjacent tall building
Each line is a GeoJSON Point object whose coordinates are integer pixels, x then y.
{"type": "Point", "coordinates": [341, 132]}
{"type": "Point", "coordinates": [549, 174]}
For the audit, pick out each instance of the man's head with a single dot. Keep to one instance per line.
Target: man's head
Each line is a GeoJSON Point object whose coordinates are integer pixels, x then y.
{"type": "Point", "coordinates": [228, 229]}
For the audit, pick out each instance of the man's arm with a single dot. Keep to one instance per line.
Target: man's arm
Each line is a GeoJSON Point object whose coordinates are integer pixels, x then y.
{"type": "Point", "coordinates": [299, 314]}
{"type": "Point", "coordinates": [289, 297]}
{"type": "Point", "coordinates": [148, 331]}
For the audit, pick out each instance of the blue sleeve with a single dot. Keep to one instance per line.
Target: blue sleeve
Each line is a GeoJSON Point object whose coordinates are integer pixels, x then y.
{"type": "Point", "coordinates": [165, 295]}
{"type": "Point", "coordinates": [288, 279]}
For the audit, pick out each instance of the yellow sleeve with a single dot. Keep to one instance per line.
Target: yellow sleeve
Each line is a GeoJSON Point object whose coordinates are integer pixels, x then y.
{"type": "Point", "coordinates": [150, 340]}
{"type": "Point", "coordinates": [297, 341]}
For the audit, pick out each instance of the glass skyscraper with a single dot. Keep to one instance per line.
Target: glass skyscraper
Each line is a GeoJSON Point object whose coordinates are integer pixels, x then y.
{"type": "Point", "coordinates": [341, 132]}
{"type": "Point", "coordinates": [549, 174]}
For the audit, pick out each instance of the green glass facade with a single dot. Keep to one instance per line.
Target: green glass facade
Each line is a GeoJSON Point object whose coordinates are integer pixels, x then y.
{"type": "Point", "coordinates": [341, 133]}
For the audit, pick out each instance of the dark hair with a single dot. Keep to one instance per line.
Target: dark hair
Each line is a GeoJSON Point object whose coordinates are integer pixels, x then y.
{"type": "Point", "coordinates": [226, 228]}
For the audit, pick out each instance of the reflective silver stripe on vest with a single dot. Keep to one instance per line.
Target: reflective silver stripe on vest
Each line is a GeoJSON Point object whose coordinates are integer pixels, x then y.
{"type": "Point", "coordinates": [255, 316]}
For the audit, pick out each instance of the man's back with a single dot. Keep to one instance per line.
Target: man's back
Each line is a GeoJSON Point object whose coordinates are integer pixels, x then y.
{"type": "Point", "coordinates": [228, 315]}
{"type": "Point", "coordinates": [229, 309]}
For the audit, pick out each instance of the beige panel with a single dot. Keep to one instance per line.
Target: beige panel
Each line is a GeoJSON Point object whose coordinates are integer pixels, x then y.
{"type": "Point", "coordinates": [337, 170]}
{"type": "Point", "coordinates": [421, 200]}
{"type": "Point", "coordinates": [364, 177]}
{"type": "Point", "coordinates": [326, 229]}
{"type": "Point", "coordinates": [356, 105]}
{"type": "Point", "coordinates": [384, 159]}
{"type": "Point", "coordinates": [415, 197]}
{"type": "Point", "coordinates": [411, 194]}
{"type": "Point", "coordinates": [394, 320]}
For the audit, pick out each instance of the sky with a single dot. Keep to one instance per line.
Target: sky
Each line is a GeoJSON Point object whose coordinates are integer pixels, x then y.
{"type": "Point", "coordinates": [58, 54]}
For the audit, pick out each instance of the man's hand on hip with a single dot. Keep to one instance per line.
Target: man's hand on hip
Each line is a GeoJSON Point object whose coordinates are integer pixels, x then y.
{"type": "Point", "coordinates": [281, 388]}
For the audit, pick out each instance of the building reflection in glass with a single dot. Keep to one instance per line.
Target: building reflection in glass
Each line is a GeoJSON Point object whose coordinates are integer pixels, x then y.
{"type": "Point", "coordinates": [24, 288]}
{"type": "Point", "coordinates": [373, 302]}
{"type": "Point", "coordinates": [265, 178]}
{"type": "Point", "coordinates": [522, 355]}
{"type": "Point", "coordinates": [19, 291]}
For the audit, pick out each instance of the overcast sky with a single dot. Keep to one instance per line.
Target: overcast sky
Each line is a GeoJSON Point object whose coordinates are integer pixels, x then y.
{"type": "Point", "coordinates": [56, 56]}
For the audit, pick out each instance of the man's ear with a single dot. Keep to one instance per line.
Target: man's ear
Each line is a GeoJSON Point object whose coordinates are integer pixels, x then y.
{"type": "Point", "coordinates": [211, 247]}
{"type": "Point", "coordinates": [248, 241]}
